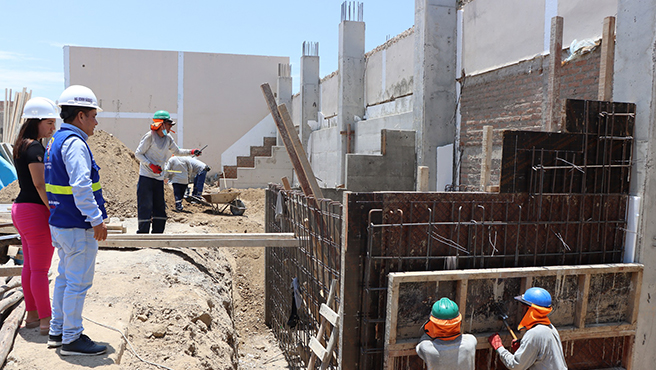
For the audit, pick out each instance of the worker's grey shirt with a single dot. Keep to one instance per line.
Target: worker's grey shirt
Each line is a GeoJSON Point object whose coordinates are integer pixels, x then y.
{"type": "Point", "coordinates": [457, 354]}
{"type": "Point", "coordinates": [156, 150]}
{"type": "Point", "coordinates": [189, 167]}
{"type": "Point", "coordinates": [540, 349]}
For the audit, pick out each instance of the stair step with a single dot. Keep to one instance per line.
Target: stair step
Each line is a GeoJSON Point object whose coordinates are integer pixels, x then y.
{"type": "Point", "coordinates": [230, 172]}
{"type": "Point", "coordinates": [269, 141]}
{"type": "Point", "coordinates": [260, 151]}
{"type": "Point", "coordinates": [246, 162]}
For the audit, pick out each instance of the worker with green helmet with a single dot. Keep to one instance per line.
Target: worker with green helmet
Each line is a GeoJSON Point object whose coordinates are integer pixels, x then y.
{"type": "Point", "coordinates": [153, 152]}
{"type": "Point", "coordinates": [443, 346]}
{"type": "Point", "coordinates": [540, 348]}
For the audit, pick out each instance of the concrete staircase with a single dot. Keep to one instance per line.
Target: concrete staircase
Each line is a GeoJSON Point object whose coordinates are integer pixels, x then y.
{"type": "Point", "coordinates": [230, 172]}
{"type": "Point", "coordinates": [266, 163]}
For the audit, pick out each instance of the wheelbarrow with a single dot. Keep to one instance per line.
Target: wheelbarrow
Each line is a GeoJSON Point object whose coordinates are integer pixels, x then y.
{"type": "Point", "coordinates": [222, 200]}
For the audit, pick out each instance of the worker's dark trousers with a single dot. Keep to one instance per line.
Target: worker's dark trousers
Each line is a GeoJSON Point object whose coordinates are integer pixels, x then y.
{"type": "Point", "coordinates": [178, 192]}
{"type": "Point", "coordinates": [199, 183]}
{"type": "Point", "coordinates": [150, 205]}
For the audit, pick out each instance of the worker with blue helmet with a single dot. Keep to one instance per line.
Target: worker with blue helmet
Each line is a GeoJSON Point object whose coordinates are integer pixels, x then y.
{"type": "Point", "coordinates": [540, 348]}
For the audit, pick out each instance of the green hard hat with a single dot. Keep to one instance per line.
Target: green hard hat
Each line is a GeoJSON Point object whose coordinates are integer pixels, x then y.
{"type": "Point", "coordinates": [162, 114]}
{"type": "Point", "coordinates": [445, 309]}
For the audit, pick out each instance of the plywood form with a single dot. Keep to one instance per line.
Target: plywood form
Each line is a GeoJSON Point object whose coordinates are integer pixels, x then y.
{"type": "Point", "coordinates": [591, 302]}
{"type": "Point", "coordinates": [525, 230]}
{"type": "Point", "coordinates": [593, 156]}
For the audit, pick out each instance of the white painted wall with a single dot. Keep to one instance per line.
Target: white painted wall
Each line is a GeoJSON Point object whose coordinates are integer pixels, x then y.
{"type": "Point", "coordinates": [501, 32]}
{"type": "Point", "coordinates": [242, 147]}
{"type": "Point", "coordinates": [220, 93]}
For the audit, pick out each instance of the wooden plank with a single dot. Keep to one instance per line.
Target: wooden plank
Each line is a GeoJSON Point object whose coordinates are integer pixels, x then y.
{"type": "Point", "coordinates": [11, 270]}
{"type": "Point", "coordinates": [511, 272]}
{"type": "Point", "coordinates": [329, 314]}
{"type": "Point", "coordinates": [285, 183]}
{"type": "Point", "coordinates": [634, 300]}
{"type": "Point", "coordinates": [486, 157]}
{"type": "Point", "coordinates": [9, 329]}
{"type": "Point", "coordinates": [201, 240]}
{"type": "Point", "coordinates": [607, 62]}
{"type": "Point", "coordinates": [461, 295]}
{"type": "Point", "coordinates": [552, 122]}
{"type": "Point", "coordinates": [582, 300]}
{"type": "Point", "coordinates": [325, 361]}
{"type": "Point", "coordinates": [292, 143]}
{"type": "Point", "coordinates": [317, 348]}
{"type": "Point", "coordinates": [322, 327]}
{"type": "Point", "coordinates": [298, 147]}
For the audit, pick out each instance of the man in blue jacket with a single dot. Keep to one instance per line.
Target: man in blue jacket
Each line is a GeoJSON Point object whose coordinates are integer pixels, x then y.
{"type": "Point", "coordinates": [76, 219]}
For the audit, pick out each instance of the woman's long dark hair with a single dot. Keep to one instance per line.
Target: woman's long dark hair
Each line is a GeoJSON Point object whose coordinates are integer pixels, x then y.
{"type": "Point", "coordinates": [28, 132]}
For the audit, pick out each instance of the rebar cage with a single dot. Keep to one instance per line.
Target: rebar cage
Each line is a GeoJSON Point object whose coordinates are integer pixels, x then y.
{"type": "Point", "coordinates": [314, 265]}
{"type": "Point", "coordinates": [440, 231]}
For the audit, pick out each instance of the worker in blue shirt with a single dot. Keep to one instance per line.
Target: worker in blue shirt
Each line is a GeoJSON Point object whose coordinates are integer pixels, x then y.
{"type": "Point", "coordinates": [76, 218]}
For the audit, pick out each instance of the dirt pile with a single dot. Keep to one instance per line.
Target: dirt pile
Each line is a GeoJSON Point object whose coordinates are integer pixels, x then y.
{"type": "Point", "coordinates": [119, 173]}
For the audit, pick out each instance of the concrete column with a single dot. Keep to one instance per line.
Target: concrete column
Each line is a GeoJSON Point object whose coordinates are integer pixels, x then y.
{"type": "Point", "coordinates": [310, 91]}
{"type": "Point", "coordinates": [635, 82]}
{"type": "Point", "coordinates": [284, 91]}
{"type": "Point", "coordinates": [434, 92]}
{"type": "Point", "coordinates": [351, 78]}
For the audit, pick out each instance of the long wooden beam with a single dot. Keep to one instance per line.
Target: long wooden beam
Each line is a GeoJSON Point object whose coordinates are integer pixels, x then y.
{"type": "Point", "coordinates": [11, 270]}
{"type": "Point", "coordinates": [297, 155]}
{"type": "Point", "coordinates": [200, 240]}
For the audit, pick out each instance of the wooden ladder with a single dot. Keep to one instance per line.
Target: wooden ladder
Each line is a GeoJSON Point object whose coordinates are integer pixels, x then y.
{"type": "Point", "coordinates": [327, 315]}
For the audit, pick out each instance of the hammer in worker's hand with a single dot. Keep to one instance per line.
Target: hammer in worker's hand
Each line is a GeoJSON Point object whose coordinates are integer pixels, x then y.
{"type": "Point", "coordinates": [503, 316]}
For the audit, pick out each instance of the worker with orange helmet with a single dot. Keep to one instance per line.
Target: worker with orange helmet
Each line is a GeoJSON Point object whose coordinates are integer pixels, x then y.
{"type": "Point", "coordinates": [153, 152]}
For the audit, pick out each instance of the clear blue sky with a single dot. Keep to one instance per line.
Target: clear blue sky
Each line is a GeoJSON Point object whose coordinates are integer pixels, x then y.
{"type": "Point", "coordinates": [33, 32]}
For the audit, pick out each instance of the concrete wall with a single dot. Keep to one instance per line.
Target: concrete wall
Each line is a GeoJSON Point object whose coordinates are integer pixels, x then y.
{"type": "Point", "coordinates": [389, 71]}
{"type": "Point", "coordinates": [491, 37]}
{"type": "Point", "coordinates": [215, 98]}
{"type": "Point", "coordinates": [635, 81]}
{"type": "Point", "coordinates": [392, 170]}
{"type": "Point", "coordinates": [324, 158]}
{"type": "Point", "coordinates": [329, 95]}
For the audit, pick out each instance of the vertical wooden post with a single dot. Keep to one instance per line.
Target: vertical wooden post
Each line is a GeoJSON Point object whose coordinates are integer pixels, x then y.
{"type": "Point", "coordinates": [552, 121]}
{"type": "Point", "coordinates": [607, 62]}
{"type": "Point", "coordinates": [582, 300]}
{"type": "Point", "coordinates": [486, 157]}
{"type": "Point", "coordinates": [422, 178]}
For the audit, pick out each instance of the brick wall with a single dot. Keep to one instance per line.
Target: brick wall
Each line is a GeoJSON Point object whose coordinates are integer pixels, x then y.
{"type": "Point", "coordinates": [513, 97]}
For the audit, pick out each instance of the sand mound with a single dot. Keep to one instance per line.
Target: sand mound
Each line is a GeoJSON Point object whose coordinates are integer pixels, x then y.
{"type": "Point", "coordinates": [119, 172]}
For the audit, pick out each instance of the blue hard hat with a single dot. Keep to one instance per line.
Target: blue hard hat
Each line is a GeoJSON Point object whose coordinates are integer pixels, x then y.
{"type": "Point", "coordinates": [536, 296]}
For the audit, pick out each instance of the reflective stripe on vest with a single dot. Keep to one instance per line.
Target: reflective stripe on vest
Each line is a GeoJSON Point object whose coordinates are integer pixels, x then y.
{"type": "Point", "coordinates": [68, 190]}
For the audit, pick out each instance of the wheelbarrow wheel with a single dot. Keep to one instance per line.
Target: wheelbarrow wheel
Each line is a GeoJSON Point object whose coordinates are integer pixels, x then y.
{"type": "Point", "coordinates": [237, 207]}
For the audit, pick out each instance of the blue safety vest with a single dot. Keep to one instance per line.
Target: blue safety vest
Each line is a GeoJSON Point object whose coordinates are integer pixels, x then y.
{"type": "Point", "coordinates": [63, 212]}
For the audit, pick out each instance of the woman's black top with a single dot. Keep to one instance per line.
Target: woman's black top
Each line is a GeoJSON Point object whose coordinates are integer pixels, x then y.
{"type": "Point", "coordinates": [32, 154]}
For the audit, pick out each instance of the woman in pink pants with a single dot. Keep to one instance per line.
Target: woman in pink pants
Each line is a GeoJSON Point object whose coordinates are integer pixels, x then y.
{"type": "Point", "coordinates": [30, 211]}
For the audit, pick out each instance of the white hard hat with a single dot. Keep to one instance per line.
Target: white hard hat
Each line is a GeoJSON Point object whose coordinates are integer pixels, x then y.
{"type": "Point", "coordinates": [41, 108]}
{"type": "Point", "coordinates": [78, 96]}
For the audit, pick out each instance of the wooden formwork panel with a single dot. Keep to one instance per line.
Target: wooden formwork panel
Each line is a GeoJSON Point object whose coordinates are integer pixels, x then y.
{"type": "Point", "coordinates": [396, 231]}
{"type": "Point", "coordinates": [594, 306]}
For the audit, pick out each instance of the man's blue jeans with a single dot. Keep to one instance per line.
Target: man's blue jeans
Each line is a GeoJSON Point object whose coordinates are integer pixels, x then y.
{"type": "Point", "coordinates": [199, 183]}
{"type": "Point", "coordinates": [77, 250]}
